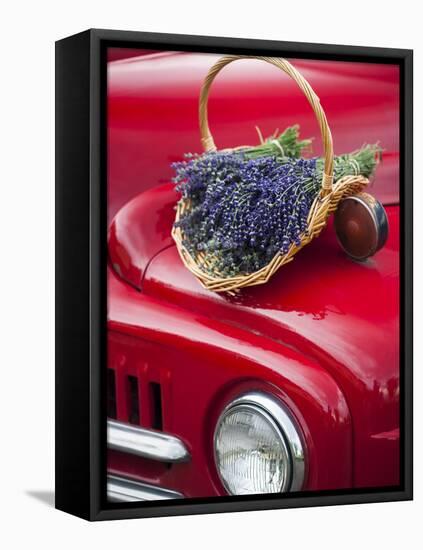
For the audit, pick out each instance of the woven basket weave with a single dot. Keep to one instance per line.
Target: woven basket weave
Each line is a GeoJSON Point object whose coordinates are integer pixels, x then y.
{"type": "Point", "coordinates": [324, 204]}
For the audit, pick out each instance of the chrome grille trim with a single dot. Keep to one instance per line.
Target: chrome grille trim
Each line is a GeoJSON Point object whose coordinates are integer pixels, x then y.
{"type": "Point", "coordinates": [122, 489]}
{"type": "Point", "coordinates": [146, 443]}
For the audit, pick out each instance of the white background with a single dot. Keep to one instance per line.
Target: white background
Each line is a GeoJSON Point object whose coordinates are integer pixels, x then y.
{"type": "Point", "coordinates": [28, 32]}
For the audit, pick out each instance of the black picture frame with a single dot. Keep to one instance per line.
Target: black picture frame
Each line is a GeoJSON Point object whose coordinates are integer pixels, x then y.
{"type": "Point", "coordinates": [81, 227]}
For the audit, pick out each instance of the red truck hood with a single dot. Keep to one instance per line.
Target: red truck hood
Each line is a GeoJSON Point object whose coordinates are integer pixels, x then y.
{"type": "Point", "coordinates": [323, 303]}
{"type": "Point", "coordinates": [339, 312]}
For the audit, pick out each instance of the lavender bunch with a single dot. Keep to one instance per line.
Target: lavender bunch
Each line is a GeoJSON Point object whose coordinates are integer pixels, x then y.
{"type": "Point", "coordinates": [246, 208]}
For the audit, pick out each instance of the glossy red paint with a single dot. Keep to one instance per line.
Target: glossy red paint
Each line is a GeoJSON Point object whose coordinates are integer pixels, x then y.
{"type": "Point", "coordinates": [202, 364]}
{"type": "Point", "coordinates": [322, 335]}
{"type": "Point", "coordinates": [140, 230]}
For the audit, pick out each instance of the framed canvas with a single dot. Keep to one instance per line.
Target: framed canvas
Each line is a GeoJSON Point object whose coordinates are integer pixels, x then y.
{"type": "Point", "coordinates": [233, 274]}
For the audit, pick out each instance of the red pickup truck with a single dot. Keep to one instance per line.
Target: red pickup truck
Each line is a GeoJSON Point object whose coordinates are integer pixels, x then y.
{"type": "Point", "coordinates": [288, 386]}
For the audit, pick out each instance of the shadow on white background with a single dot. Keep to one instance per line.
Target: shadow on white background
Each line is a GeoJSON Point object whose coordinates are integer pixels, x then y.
{"type": "Point", "coordinates": [46, 497]}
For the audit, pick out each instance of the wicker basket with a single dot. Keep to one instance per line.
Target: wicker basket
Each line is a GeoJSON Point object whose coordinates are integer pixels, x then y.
{"type": "Point", "coordinates": [325, 203]}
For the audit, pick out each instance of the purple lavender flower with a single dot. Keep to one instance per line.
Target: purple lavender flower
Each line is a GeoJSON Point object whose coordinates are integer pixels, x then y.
{"type": "Point", "coordinates": [244, 211]}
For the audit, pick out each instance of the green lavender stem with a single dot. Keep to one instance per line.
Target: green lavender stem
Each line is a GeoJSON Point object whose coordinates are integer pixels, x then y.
{"type": "Point", "coordinates": [287, 144]}
{"type": "Point", "coordinates": [362, 162]}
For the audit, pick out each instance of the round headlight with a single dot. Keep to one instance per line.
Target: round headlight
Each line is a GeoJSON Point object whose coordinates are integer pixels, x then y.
{"type": "Point", "coordinates": [257, 447]}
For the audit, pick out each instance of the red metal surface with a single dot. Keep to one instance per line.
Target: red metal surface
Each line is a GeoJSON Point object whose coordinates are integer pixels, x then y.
{"type": "Point", "coordinates": [202, 364]}
{"type": "Point", "coordinates": [141, 229]}
{"type": "Point", "coordinates": [322, 334]}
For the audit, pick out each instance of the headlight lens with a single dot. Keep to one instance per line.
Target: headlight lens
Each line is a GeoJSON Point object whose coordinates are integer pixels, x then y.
{"type": "Point", "coordinates": [253, 453]}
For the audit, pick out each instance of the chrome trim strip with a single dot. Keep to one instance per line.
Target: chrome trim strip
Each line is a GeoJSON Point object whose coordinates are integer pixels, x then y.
{"type": "Point", "coordinates": [146, 443]}
{"type": "Point", "coordinates": [282, 417]}
{"type": "Point", "coordinates": [123, 489]}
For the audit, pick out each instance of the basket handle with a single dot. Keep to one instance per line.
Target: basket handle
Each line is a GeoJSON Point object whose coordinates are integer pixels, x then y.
{"type": "Point", "coordinates": [207, 138]}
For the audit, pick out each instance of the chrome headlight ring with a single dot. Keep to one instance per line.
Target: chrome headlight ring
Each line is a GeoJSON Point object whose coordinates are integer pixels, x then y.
{"type": "Point", "coordinates": [276, 420]}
